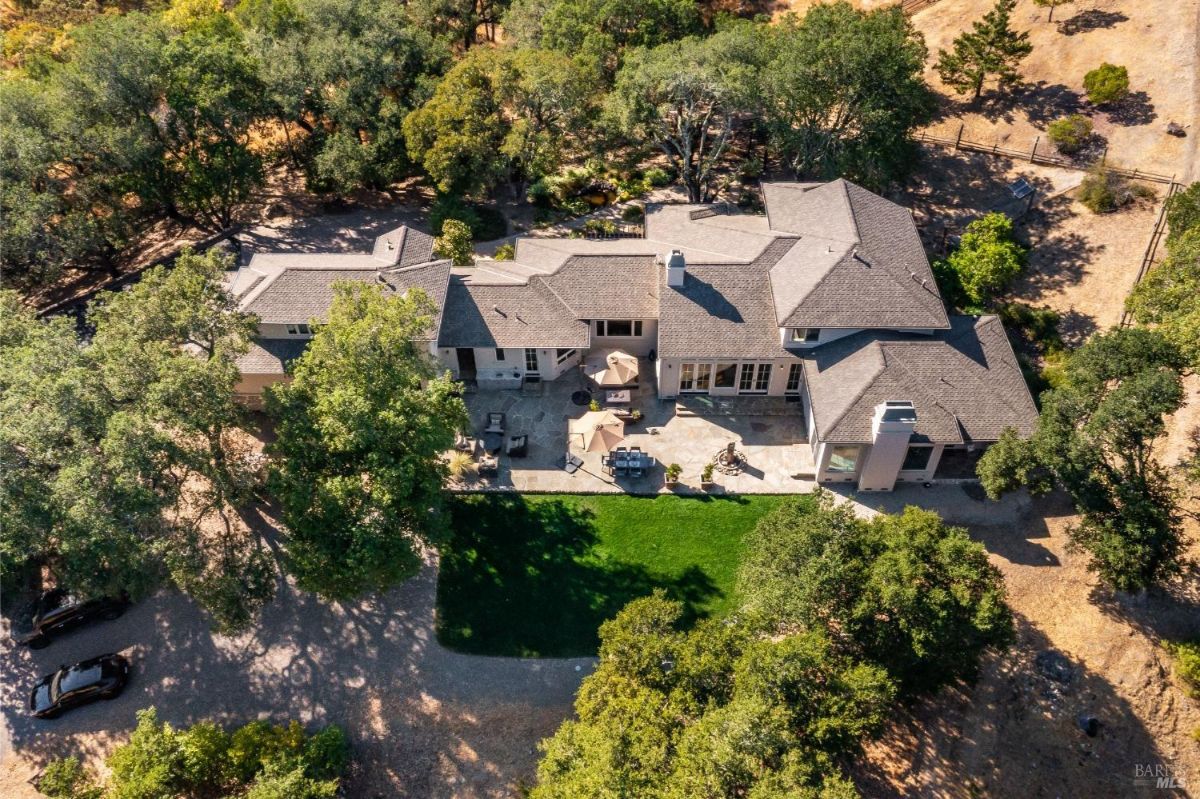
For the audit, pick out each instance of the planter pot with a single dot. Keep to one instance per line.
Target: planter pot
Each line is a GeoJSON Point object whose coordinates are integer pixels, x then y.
{"type": "Point", "coordinates": [707, 486]}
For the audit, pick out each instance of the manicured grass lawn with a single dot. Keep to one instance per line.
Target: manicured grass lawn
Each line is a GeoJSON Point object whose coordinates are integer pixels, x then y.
{"type": "Point", "coordinates": [535, 575]}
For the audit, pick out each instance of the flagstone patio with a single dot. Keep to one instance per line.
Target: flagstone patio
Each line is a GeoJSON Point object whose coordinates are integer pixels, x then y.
{"type": "Point", "coordinates": [768, 431]}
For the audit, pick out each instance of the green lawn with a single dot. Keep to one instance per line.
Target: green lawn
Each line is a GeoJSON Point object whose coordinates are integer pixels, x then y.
{"type": "Point", "coordinates": [535, 575]}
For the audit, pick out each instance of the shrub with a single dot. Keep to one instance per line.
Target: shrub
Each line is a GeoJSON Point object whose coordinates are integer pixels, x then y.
{"type": "Point", "coordinates": [673, 471]}
{"type": "Point", "coordinates": [462, 466]}
{"type": "Point", "coordinates": [599, 227]}
{"type": "Point", "coordinates": [1106, 83]}
{"type": "Point", "coordinates": [750, 170]}
{"type": "Point", "coordinates": [505, 252]}
{"type": "Point", "coordinates": [1186, 658]}
{"type": "Point", "coordinates": [657, 177]}
{"type": "Point", "coordinates": [67, 779]}
{"type": "Point", "coordinates": [1183, 212]}
{"type": "Point", "coordinates": [455, 243]}
{"type": "Point", "coordinates": [484, 224]}
{"type": "Point", "coordinates": [633, 213]}
{"type": "Point", "coordinates": [1103, 191]}
{"type": "Point", "coordinates": [540, 194]}
{"type": "Point", "coordinates": [706, 474]}
{"type": "Point", "coordinates": [986, 261]}
{"type": "Point", "coordinates": [1070, 134]}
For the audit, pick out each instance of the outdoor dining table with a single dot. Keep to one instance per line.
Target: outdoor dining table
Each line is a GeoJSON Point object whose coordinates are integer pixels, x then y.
{"type": "Point", "coordinates": [630, 461]}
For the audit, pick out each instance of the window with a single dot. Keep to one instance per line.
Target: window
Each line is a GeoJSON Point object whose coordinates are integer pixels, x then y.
{"type": "Point", "coordinates": [619, 327]}
{"type": "Point", "coordinates": [806, 335]}
{"type": "Point", "coordinates": [795, 373]}
{"type": "Point", "coordinates": [843, 459]}
{"type": "Point", "coordinates": [726, 373]}
{"type": "Point", "coordinates": [916, 459]}
{"type": "Point", "coordinates": [755, 378]}
{"type": "Point", "coordinates": [763, 378]}
{"type": "Point", "coordinates": [562, 355]}
{"type": "Point", "coordinates": [499, 354]}
{"type": "Point", "coordinates": [694, 376]}
{"type": "Point", "coordinates": [531, 362]}
{"type": "Point", "coordinates": [299, 330]}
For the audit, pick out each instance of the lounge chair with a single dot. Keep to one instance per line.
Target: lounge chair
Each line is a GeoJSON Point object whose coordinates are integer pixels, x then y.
{"type": "Point", "coordinates": [518, 447]}
{"type": "Point", "coordinates": [495, 423]}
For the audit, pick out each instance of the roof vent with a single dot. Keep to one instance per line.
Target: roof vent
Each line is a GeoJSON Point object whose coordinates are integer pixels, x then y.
{"type": "Point", "coordinates": [496, 308]}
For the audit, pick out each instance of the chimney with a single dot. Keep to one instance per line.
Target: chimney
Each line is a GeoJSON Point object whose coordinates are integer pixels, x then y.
{"type": "Point", "coordinates": [891, 428]}
{"type": "Point", "coordinates": [676, 268]}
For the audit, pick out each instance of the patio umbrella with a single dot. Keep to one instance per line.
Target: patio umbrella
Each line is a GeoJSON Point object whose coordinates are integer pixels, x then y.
{"type": "Point", "coordinates": [611, 367]}
{"type": "Point", "coordinates": [601, 430]}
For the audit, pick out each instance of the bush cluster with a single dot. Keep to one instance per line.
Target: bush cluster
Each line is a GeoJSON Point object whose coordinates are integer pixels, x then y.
{"type": "Point", "coordinates": [1102, 192]}
{"type": "Point", "coordinates": [1071, 133]}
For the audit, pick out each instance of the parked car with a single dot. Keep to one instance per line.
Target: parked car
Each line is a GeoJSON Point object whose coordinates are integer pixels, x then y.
{"type": "Point", "coordinates": [58, 612]}
{"type": "Point", "coordinates": [101, 677]}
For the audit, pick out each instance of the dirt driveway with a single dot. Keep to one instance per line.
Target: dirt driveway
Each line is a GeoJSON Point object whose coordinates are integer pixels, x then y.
{"type": "Point", "coordinates": [424, 722]}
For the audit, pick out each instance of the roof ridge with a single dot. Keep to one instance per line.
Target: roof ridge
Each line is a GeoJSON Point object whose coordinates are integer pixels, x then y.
{"type": "Point", "coordinates": [858, 395]}
{"type": "Point", "coordinates": [546, 284]}
{"type": "Point", "coordinates": [814, 286]}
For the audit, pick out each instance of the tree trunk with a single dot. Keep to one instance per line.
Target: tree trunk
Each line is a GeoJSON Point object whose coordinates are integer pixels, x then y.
{"type": "Point", "coordinates": [978, 89]}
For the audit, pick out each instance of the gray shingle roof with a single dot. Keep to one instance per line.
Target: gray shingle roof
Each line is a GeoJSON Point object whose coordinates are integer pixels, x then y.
{"type": "Point", "coordinates": [721, 310]}
{"type": "Point", "coordinates": [271, 356]}
{"type": "Point", "coordinates": [608, 287]}
{"type": "Point", "coordinates": [860, 262]}
{"type": "Point", "coordinates": [528, 315]}
{"type": "Point", "coordinates": [301, 293]}
{"type": "Point", "coordinates": [965, 383]}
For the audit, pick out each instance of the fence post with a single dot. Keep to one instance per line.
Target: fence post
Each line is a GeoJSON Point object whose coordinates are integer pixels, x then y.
{"type": "Point", "coordinates": [1104, 155]}
{"type": "Point", "coordinates": [958, 138]}
{"type": "Point", "coordinates": [1033, 152]}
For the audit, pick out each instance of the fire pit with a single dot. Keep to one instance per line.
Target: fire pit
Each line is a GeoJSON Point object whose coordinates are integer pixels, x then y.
{"type": "Point", "coordinates": [729, 460]}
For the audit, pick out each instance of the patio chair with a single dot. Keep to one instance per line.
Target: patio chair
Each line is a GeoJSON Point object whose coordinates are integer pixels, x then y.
{"type": "Point", "coordinates": [518, 447]}
{"type": "Point", "coordinates": [489, 465]}
{"type": "Point", "coordinates": [495, 423]}
{"type": "Point", "coordinates": [571, 463]}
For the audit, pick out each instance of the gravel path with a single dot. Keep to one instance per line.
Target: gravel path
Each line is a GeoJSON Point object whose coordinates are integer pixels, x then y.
{"type": "Point", "coordinates": [425, 722]}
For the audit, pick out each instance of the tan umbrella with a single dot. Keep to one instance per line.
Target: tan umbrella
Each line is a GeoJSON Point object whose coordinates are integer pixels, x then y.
{"type": "Point", "coordinates": [601, 430]}
{"type": "Point", "coordinates": [611, 367]}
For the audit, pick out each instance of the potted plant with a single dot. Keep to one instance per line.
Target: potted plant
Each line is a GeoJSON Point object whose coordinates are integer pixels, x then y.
{"type": "Point", "coordinates": [635, 415]}
{"type": "Point", "coordinates": [594, 405]}
{"type": "Point", "coordinates": [672, 472]}
{"type": "Point", "coordinates": [706, 475]}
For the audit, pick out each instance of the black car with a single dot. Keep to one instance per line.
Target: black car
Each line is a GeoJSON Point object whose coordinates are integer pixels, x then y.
{"type": "Point", "coordinates": [58, 612]}
{"type": "Point", "coordinates": [99, 678]}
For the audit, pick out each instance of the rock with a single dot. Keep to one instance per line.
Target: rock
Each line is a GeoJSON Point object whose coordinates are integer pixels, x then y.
{"type": "Point", "coordinates": [1175, 129]}
{"type": "Point", "coordinates": [1089, 724]}
{"type": "Point", "coordinates": [1055, 666]}
{"type": "Point", "coordinates": [275, 210]}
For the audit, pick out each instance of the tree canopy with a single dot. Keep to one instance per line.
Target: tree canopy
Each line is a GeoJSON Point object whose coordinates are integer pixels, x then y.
{"type": "Point", "coordinates": [986, 260]}
{"type": "Point", "coordinates": [123, 462]}
{"type": "Point", "coordinates": [843, 93]}
{"type": "Point", "coordinates": [360, 432]}
{"type": "Point", "coordinates": [990, 49]}
{"type": "Point", "coordinates": [1096, 438]}
{"type": "Point", "coordinates": [686, 96]}
{"type": "Point", "coordinates": [258, 760]}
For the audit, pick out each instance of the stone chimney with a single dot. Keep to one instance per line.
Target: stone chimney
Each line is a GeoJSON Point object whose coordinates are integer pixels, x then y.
{"type": "Point", "coordinates": [676, 268]}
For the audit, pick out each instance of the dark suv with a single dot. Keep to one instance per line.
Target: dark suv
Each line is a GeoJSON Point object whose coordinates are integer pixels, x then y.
{"type": "Point", "coordinates": [58, 612]}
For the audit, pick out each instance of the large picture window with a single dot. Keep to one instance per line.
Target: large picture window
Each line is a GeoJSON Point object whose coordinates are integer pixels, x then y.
{"type": "Point", "coordinates": [621, 328]}
{"type": "Point", "coordinates": [916, 459]}
{"type": "Point", "coordinates": [805, 335]}
{"type": "Point", "coordinates": [299, 330]}
{"type": "Point", "coordinates": [725, 375]}
{"type": "Point", "coordinates": [562, 355]}
{"type": "Point", "coordinates": [843, 459]}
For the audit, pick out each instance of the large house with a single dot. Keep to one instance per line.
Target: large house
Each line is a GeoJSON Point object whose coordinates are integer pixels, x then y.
{"type": "Point", "coordinates": [828, 299]}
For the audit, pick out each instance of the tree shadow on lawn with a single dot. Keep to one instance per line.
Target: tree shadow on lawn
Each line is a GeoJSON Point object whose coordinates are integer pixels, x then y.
{"type": "Point", "coordinates": [521, 579]}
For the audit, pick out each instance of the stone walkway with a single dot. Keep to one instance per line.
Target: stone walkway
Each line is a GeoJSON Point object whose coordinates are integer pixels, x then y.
{"type": "Point", "coordinates": [770, 434]}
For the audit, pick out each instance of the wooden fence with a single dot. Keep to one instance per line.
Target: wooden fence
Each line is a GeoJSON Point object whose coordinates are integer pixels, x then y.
{"type": "Point", "coordinates": [1156, 237]}
{"type": "Point", "coordinates": [1033, 155]}
{"type": "Point", "coordinates": [913, 6]}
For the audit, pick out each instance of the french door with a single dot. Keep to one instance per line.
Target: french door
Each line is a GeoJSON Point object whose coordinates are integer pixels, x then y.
{"type": "Point", "coordinates": [695, 378]}
{"type": "Point", "coordinates": [755, 378]}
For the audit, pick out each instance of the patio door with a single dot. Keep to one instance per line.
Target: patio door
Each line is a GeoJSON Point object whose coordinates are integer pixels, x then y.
{"type": "Point", "coordinates": [695, 378]}
{"type": "Point", "coordinates": [755, 378]}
